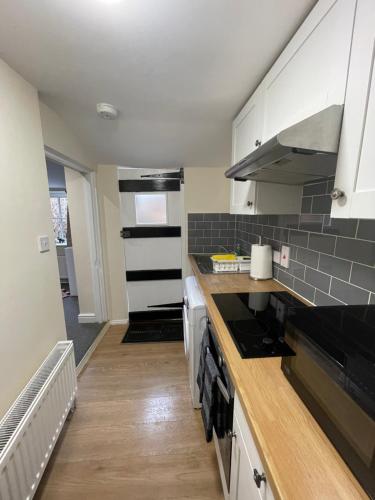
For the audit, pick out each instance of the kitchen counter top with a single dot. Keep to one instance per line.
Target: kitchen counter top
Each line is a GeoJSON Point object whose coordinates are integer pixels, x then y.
{"type": "Point", "coordinates": [299, 460]}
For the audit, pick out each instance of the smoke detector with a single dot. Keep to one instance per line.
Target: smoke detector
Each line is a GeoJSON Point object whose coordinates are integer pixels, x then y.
{"type": "Point", "coordinates": [106, 111]}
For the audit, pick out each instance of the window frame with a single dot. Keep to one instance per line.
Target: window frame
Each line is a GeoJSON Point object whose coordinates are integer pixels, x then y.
{"type": "Point", "coordinates": [60, 193]}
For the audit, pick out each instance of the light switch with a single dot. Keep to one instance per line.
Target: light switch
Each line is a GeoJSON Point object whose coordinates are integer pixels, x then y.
{"type": "Point", "coordinates": [284, 258]}
{"type": "Point", "coordinates": [43, 243]}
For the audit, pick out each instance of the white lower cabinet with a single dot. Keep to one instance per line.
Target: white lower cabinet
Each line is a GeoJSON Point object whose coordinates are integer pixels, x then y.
{"type": "Point", "coordinates": [256, 198]}
{"type": "Point", "coordinates": [248, 480]}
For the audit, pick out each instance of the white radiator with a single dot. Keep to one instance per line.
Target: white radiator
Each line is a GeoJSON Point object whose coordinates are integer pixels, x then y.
{"type": "Point", "coordinates": [29, 430]}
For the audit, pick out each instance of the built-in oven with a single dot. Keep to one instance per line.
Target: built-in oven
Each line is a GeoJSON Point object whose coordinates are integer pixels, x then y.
{"type": "Point", "coordinates": [333, 372]}
{"type": "Point", "coordinates": [223, 413]}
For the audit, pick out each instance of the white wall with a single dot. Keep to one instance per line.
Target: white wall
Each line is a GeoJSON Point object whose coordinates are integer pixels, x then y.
{"type": "Point", "coordinates": [112, 244]}
{"type": "Point", "coordinates": [58, 136]}
{"type": "Point", "coordinates": [77, 187]}
{"type": "Point", "coordinates": [31, 313]}
{"type": "Point", "coordinates": [207, 190]}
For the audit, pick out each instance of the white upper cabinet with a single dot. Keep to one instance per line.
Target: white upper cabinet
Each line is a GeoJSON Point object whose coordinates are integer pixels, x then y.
{"type": "Point", "coordinates": [249, 197]}
{"type": "Point", "coordinates": [310, 74]}
{"type": "Point", "coordinates": [247, 130]}
{"type": "Point", "coordinates": [355, 174]}
{"type": "Point", "coordinates": [256, 198]}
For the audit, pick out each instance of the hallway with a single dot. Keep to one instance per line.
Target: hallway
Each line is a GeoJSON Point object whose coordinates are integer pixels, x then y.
{"type": "Point", "coordinates": [82, 334]}
{"type": "Point", "coordinates": [134, 434]}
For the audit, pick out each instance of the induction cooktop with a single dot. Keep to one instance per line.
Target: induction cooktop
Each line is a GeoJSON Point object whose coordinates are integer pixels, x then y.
{"type": "Point", "coordinates": [256, 321]}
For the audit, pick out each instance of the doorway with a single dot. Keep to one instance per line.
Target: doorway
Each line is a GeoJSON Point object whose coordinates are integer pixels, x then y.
{"type": "Point", "coordinates": [73, 224]}
{"type": "Point", "coordinates": [151, 217]}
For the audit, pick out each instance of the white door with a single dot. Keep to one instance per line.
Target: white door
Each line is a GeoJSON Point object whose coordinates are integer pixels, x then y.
{"type": "Point", "coordinates": [355, 166]}
{"type": "Point", "coordinates": [151, 207]}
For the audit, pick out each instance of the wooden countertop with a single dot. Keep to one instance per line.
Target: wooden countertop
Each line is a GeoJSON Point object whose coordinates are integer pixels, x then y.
{"type": "Point", "coordinates": [299, 460]}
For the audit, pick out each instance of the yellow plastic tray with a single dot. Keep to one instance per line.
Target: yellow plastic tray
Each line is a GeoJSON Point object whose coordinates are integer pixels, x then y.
{"type": "Point", "coordinates": [228, 256]}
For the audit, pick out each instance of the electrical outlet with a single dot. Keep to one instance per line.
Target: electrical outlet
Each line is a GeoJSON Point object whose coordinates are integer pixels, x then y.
{"type": "Point", "coordinates": [43, 243]}
{"type": "Point", "coordinates": [284, 258]}
{"type": "Point", "coordinates": [276, 256]}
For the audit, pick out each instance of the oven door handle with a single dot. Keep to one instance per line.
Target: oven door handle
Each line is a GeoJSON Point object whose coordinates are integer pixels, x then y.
{"type": "Point", "coordinates": [223, 390]}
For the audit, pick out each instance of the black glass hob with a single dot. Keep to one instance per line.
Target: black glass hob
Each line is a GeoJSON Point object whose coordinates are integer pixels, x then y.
{"type": "Point", "coordinates": [256, 321]}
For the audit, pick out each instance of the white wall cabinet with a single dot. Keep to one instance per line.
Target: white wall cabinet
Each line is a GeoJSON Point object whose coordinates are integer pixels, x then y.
{"type": "Point", "coordinates": [247, 129]}
{"type": "Point", "coordinates": [355, 174]}
{"type": "Point", "coordinates": [249, 197]}
{"type": "Point", "coordinates": [245, 460]}
{"type": "Point", "coordinates": [255, 198]}
{"type": "Point", "coordinates": [310, 74]}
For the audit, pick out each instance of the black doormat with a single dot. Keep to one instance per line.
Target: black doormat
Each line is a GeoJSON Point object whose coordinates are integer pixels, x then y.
{"type": "Point", "coordinates": [154, 331]}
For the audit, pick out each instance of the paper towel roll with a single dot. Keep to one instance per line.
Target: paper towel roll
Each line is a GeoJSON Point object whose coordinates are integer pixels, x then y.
{"type": "Point", "coordinates": [261, 262]}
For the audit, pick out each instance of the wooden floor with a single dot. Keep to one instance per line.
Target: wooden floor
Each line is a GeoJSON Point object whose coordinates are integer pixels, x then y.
{"type": "Point", "coordinates": [134, 434]}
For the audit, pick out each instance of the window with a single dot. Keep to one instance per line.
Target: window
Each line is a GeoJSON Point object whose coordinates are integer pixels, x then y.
{"type": "Point", "coordinates": [151, 209]}
{"type": "Point", "coordinates": [59, 209]}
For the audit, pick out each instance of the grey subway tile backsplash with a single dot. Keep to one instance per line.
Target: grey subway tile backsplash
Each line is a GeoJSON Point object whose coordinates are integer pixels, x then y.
{"type": "Point", "coordinates": [363, 276]}
{"type": "Point", "coordinates": [306, 204]}
{"type": "Point", "coordinates": [356, 250]}
{"type": "Point", "coordinates": [281, 234]}
{"type": "Point", "coordinates": [298, 238]}
{"type": "Point", "coordinates": [340, 227]}
{"type": "Point", "coordinates": [296, 269]}
{"type": "Point", "coordinates": [322, 299]}
{"type": "Point", "coordinates": [195, 217]}
{"type": "Point", "coordinates": [308, 257]}
{"type": "Point", "coordinates": [321, 204]}
{"type": "Point", "coordinates": [317, 279]}
{"type": "Point", "coordinates": [332, 261]}
{"type": "Point", "coordinates": [315, 188]}
{"type": "Point", "coordinates": [322, 243]}
{"type": "Point", "coordinates": [285, 278]}
{"type": "Point", "coordinates": [366, 230]}
{"type": "Point", "coordinates": [304, 289]}
{"type": "Point", "coordinates": [311, 222]}
{"type": "Point", "coordinates": [211, 217]}
{"type": "Point", "coordinates": [349, 294]}
{"type": "Point", "coordinates": [335, 267]}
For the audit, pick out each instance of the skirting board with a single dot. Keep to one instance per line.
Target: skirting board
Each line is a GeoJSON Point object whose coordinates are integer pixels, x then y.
{"type": "Point", "coordinates": [91, 349]}
{"type": "Point", "coordinates": [87, 318]}
{"type": "Point", "coordinates": [119, 321]}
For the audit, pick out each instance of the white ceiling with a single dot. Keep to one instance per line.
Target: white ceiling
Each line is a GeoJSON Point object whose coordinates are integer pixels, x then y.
{"type": "Point", "coordinates": [177, 70]}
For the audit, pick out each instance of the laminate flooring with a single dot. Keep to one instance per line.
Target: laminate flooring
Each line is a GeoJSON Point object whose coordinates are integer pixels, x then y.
{"type": "Point", "coordinates": [134, 434]}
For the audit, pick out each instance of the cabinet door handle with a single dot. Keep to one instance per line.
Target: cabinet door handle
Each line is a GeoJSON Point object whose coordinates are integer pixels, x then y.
{"type": "Point", "coordinates": [249, 203]}
{"type": "Point", "coordinates": [232, 434]}
{"type": "Point", "coordinates": [336, 194]}
{"type": "Point", "coordinates": [258, 478]}
{"type": "Point", "coordinates": [258, 143]}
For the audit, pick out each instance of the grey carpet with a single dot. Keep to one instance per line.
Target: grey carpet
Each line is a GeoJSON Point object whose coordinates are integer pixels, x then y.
{"type": "Point", "coordinates": [82, 334]}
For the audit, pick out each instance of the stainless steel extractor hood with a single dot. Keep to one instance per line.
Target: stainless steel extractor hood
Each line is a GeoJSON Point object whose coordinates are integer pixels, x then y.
{"type": "Point", "coordinates": [304, 152]}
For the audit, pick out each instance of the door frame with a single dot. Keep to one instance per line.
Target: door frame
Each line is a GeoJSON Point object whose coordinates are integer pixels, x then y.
{"type": "Point", "coordinates": [93, 224]}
